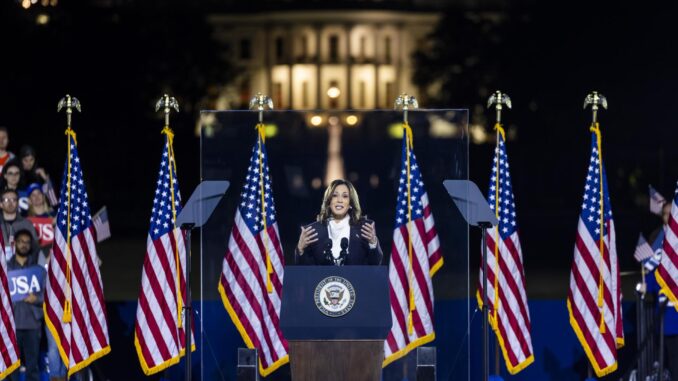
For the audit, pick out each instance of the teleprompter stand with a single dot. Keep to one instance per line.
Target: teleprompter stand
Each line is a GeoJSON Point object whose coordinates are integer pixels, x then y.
{"type": "Point", "coordinates": [476, 211]}
{"type": "Point", "coordinates": [195, 214]}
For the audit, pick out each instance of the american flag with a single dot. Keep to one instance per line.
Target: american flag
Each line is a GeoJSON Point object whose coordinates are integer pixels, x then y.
{"type": "Point", "coordinates": [159, 329]}
{"type": "Point", "coordinates": [667, 272]}
{"type": "Point", "coordinates": [657, 201]}
{"type": "Point", "coordinates": [252, 275]}
{"type": "Point", "coordinates": [75, 312]}
{"type": "Point", "coordinates": [48, 190]}
{"type": "Point", "coordinates": [415, 258]}
{"type": "Point", "coordinates": [644, 254]}
{"type": "Point", "coordinates": [594, 297]}
{"type": "Point", "coordinates": [101, 224]}
{"type": "Point", "coordinates": [507, 300]}
{"type": "Point", "coordinates": [9, 351]}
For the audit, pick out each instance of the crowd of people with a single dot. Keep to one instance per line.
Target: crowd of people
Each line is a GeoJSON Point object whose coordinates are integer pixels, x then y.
{"type": "Point", "coordinates": [28, 202]}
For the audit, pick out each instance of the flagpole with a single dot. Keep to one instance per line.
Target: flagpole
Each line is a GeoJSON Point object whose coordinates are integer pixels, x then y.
{"type": "Point", "coordinates": [260, 102]}
{"type": "Point", "coordinates": [167, 103]}
{"type": "Point", "coordinates": [486, 331]}
{"type": "Point", "coordinates": [662, 311]}
{"type": "Point", "coordinates": [497, 367]}
{"type": "Point", "coordinates": [69, 103]}
{"type": "Point", "coordinates": [498, 99]}
{"type": "Point", "coordinates": [187, 318]}
{"type": "Point", "coordinates": [598, 100]}
{"type": "Point", "coordinates": [405, 102]}
{"type": "Point", "coordinates": [640, 324]}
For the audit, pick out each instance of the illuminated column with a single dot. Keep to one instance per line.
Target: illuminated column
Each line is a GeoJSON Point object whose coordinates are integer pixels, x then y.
{"type": "Point", "coordinates": [291, 57]}
{"type": "Point", "coordinates": [268, 67]}
{"type": "Point", "coordinates": [399, 62]}
{"type": "Point", "coordinates": [348, 59]}
{"type": "Point", "coordinates": [318, 63]}
{"type": "Point", "coordinates": [335, 161]}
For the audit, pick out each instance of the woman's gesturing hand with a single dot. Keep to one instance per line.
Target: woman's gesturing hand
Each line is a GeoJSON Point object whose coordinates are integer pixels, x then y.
{"type": "Point", "coordinates": [307, 237]}
{"type": "Point", "coordinates": [369, 232]}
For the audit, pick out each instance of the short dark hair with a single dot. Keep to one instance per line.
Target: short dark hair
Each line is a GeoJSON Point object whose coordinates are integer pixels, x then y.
{"type": "Point", "coordinates": [11, 163]}
{"type": "Point", "coordinates": [23, 232]}
{"type": "Point", "coordinates": [3, 128]}
{"type": "Point", "coordinates": [8, 190]}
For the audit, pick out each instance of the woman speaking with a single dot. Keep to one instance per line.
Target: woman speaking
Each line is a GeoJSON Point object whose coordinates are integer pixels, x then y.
{"type": "Point", "coordinates": [340, 236]}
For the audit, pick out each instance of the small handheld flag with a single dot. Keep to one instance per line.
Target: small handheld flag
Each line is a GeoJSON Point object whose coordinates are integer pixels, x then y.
{"type": "Point", "coordinates": [657, 201]}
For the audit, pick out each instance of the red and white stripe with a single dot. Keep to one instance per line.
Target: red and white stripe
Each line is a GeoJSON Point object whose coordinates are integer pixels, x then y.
{"type": "Point", "coordinates": [158, 336]}
{"type": "Point", "coordinates": [667, 271]}
{"type": "Point", "coordinates": [9, 351]}
{"type": "Point", "coordinates": [48, 190]}
{"type": "Point", "coordinates": [599, 344]}
{"type": "Point", "coordinates": [426, 260]}
{"type": "Point", "coordinates": [510, 319]}
{"type": "Point", "coordinates": [616, 288]}
{"type": "Point", "coordinates": [643, 250]}
{"type": "Point", "coordinates": [254, 311]}
{"type": "Point", "coordinates": [85, 338]}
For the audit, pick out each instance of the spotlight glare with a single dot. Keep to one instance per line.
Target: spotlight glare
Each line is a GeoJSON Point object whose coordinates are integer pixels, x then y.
{"type": "Point", "coordinates": [333, 92]}
{"type": "Point", "coordinates": [42, 19]}
{"type": "Point", "coordinates": [316, 120]}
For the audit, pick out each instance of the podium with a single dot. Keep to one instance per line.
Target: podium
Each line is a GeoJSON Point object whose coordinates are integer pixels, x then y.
{"type": "Point", "coordinates": [335, 320]}
{"type": "Point", "coordinates": [294, 156]}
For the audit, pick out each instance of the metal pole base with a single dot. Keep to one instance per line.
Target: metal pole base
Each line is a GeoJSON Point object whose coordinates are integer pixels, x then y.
{"type": "Point", "coordinates": [247, 365]}
{"type": "Point", "coordinates": [426, 364]}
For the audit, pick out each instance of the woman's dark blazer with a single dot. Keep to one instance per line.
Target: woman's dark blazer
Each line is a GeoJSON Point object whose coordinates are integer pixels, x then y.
{"type": "Point", "coordinates": [359, 252]}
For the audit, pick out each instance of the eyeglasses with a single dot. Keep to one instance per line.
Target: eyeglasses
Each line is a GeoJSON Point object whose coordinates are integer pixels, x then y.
{"type": "Point", "coordinates": [8, 199]}
{"type": "Point", "coordinates": [12, 173]}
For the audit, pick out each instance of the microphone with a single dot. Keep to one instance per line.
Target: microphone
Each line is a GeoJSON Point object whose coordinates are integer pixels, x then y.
{"type": "Point", "coordinates": [328, 251]}
{"type": "Point", "coordinates": [343, 253]}
{"type": "Point", "coordinates": [344, 244]}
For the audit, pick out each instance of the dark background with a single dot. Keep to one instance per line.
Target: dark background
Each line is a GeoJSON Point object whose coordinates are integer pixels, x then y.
{"type": "Point", "coordinates": [118, 57]}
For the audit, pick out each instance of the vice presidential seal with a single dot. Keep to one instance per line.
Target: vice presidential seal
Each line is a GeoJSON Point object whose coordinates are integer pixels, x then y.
{"type": "Point", "coordinates": [334, 296]}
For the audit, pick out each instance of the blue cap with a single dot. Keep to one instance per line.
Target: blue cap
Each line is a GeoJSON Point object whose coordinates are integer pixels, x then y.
{"type": "Point", "coordinates": [33, 187]}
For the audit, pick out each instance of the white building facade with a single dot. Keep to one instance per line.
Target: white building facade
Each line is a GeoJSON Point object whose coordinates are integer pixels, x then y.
{"type": "Point", "coordinates": [345, 59]}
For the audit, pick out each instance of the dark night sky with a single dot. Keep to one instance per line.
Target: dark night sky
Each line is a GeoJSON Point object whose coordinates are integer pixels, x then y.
{"type": "Point", "coordinates": [118, 61]}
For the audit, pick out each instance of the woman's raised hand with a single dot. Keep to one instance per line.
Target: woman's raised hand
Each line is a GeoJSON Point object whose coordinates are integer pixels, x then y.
{"type": "Point", "coordinates": [307, 237]}
{"type": "Point", "coordinates": [369, 232]}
